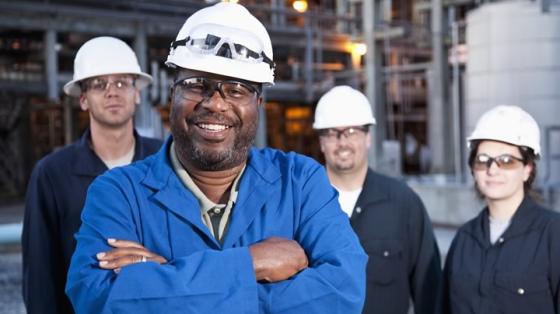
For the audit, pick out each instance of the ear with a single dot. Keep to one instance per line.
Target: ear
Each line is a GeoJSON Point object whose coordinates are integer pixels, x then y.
{"type": "Point", "coordinates": [527, 171]}
{"type": "Point", "coordinates": [260, 101]}
{"type": "Point", "coordinates": [137, 98]}
{"type": "Point", "coordinates": [171, 99]}
{"type": "Point", "coordinates": [368, 139]}
{"type": "Point", "coordinates": [84, 104]}
{"type": "Point", "coordinates": [322, 145]}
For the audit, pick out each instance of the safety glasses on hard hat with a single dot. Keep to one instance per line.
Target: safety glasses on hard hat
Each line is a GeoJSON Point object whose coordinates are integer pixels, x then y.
{"type": "Point", "coordinates": [197, 89]}
{"type": "Point", "coordinates": [222, 47]}
{"type": "Point", "coordinates": [225, 42]}
{"type": "Point", "coordinates": [505, 161]}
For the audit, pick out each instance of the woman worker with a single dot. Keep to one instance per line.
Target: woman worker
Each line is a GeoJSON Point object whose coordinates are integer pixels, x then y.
{"type": "Point", "coordinates": [507, 259]}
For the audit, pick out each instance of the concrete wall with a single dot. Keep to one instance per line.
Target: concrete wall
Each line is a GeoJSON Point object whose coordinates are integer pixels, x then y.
{"type": "Point", "coordinates": [448, 203]}
{"type": "Point", "coordinates": [451, 204]}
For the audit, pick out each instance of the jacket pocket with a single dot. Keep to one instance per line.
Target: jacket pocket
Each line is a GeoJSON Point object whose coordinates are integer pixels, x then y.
{"type": "Point", "coordinates": [524, 293]}
{"type": "Point", "coordinates": [385, 259]}
{"type": "Point", "coordinates": [522, 284]}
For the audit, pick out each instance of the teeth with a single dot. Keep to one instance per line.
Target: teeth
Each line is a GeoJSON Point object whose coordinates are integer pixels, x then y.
{"type": "Point", "coordinates": [213, 127]}
{"type": "Point", "coordinates": [344, 153]}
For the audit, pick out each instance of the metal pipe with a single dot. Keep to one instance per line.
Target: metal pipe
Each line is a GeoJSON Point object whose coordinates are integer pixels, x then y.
{"type": "Point", "coordinates": [373, 82]}
{"type": "Point", "coordinates": [260, 140]}
{"type": "Point", "coordinates": [308, 60]}
{"type": "Point", "coordinates": [143, 114]}
{"type": "Point", "coordinates": [51, 65]}
{"type": "Point", "coordinates": [437, 110]}
{"type": "Point", "coordinates": [456, 101]}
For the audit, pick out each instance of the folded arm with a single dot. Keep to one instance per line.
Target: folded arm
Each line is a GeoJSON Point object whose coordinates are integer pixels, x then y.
{"type": "Point", "coordinates": [321, 269]}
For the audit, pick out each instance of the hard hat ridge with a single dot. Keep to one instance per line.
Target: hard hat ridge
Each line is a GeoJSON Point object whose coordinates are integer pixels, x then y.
{"type": "Point", "coordinates": [343, 106]}
{"type": "Point", "coordinates": [508, 124]}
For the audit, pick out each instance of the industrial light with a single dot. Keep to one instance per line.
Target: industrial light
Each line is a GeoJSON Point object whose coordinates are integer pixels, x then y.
{"type": "Point", "coordinates": [359, 49]}
{"type": "Point", "coordinates": [230, 1]}
{"type": "Point", "coordinates": [300, 5]}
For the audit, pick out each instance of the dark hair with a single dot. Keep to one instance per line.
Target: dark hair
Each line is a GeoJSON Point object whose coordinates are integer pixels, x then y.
{"type": "Point", "coordinates": [83, 86]}
{"type": "Point", "coordinates": [529, 158]}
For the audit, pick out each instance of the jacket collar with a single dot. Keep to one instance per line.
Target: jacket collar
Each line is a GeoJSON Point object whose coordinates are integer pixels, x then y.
{"type": "Point", "coordinates": [522, 222]}
{"type": "Point", "coordinates": [373, 190]}
{"type": "Point", "coordinates": [87, 163]}
{"type": "Point", "coordinates": [255, 187]}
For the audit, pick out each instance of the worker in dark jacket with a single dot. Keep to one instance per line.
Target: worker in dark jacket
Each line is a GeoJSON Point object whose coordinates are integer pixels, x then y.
{"type": "Point", "coordinates": [507, 259]}
{"type": "Point", "coordinates": [107, 78]}
{"type": "Point", "coordinates": [388, 217]}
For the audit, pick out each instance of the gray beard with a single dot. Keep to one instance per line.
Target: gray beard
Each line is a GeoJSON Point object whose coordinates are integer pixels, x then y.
{"type": "Point", "coordinates": [215, 161]}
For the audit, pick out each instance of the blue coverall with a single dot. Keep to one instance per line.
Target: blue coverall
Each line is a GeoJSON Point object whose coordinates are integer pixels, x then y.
{"type": "Point", "coordinates": [280, 194]}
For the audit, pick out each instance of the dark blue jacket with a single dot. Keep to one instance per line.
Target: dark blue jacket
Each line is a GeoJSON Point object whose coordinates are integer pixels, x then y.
{"type": "Point", "coordinates": [396, 232]}
{"type": "Point", "coordinates": [519, 274]}
{"type": "Point", "coordinates": [280, 194]}
{"type": "Point", "coordinates": [54, 200]}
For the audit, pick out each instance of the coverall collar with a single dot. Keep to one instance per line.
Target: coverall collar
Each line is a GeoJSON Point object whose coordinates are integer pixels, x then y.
{"type": "Point", "coordinates": [376, 190]}
{"type": "Point", "coordinates": [522, 222]}
{"type": "Point", "coordinates": [254, 188]}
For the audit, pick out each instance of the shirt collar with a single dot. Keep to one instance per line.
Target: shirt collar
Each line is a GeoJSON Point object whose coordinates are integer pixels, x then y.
{"type": "Point", "coordinates": [522, 222]}
{"type": "Point", "coordinates": [205, 203]}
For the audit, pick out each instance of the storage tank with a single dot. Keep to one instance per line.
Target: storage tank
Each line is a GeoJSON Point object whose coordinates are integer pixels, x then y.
{"type": "Point", "coordinates": [514, 59]}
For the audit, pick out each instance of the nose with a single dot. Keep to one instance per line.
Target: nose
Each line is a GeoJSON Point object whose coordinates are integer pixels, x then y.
{"type": "Point", "coordinates": [342, 141]}
{"type": "Point", "coordinates": [493, 167]}
{"type": "Point", "coordinates": [215, 102]}
{"type": "Point", "coordinates": [111, 89]}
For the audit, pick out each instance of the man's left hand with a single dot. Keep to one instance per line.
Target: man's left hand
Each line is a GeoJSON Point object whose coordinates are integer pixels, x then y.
{"type": "Point", "coordinates": [126, 253]}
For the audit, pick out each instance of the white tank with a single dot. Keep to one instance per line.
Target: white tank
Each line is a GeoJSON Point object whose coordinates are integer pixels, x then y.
{"type": "Point", "coordinates": [514, 59]}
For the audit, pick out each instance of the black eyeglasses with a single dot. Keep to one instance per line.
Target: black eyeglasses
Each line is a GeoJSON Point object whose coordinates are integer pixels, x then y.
{"type": "Point", "coordinates": [349, 133]}
{"type": "Point", "coordinates": [198, 89]}
{"type": "Point", "coordinates": [506, 162]}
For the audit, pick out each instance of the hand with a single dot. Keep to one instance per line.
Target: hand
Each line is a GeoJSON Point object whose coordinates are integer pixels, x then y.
{"type": "Point", "coordinates": [126, 253]}
{"type": "Point", "coordinates": [277, 259]}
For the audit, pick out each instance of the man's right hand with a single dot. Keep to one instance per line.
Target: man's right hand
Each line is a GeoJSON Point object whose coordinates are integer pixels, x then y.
{"type": "Point", "coordinates": [276, 259]}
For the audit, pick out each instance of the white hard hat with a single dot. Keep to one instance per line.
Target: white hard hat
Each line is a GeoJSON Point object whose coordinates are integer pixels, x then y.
{"type": "Point", "coordinates": [224, 39]}
{"type": "Point", "coordinates": [343, 106]}
{"type": "Point", "coordinates": [508, 124]}
{"type": "Point", "coordinates": [104, 56]}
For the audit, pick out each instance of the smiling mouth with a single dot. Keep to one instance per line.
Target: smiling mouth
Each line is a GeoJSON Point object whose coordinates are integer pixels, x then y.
{"type": "Point", "coordinates": [344, 152]}
{"type": "Point", "coordinates": [113, 106]}
{"type": "Point", "coordinates": [213, 127]}
{"type": "Point", "coordinates": [493, 183]}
